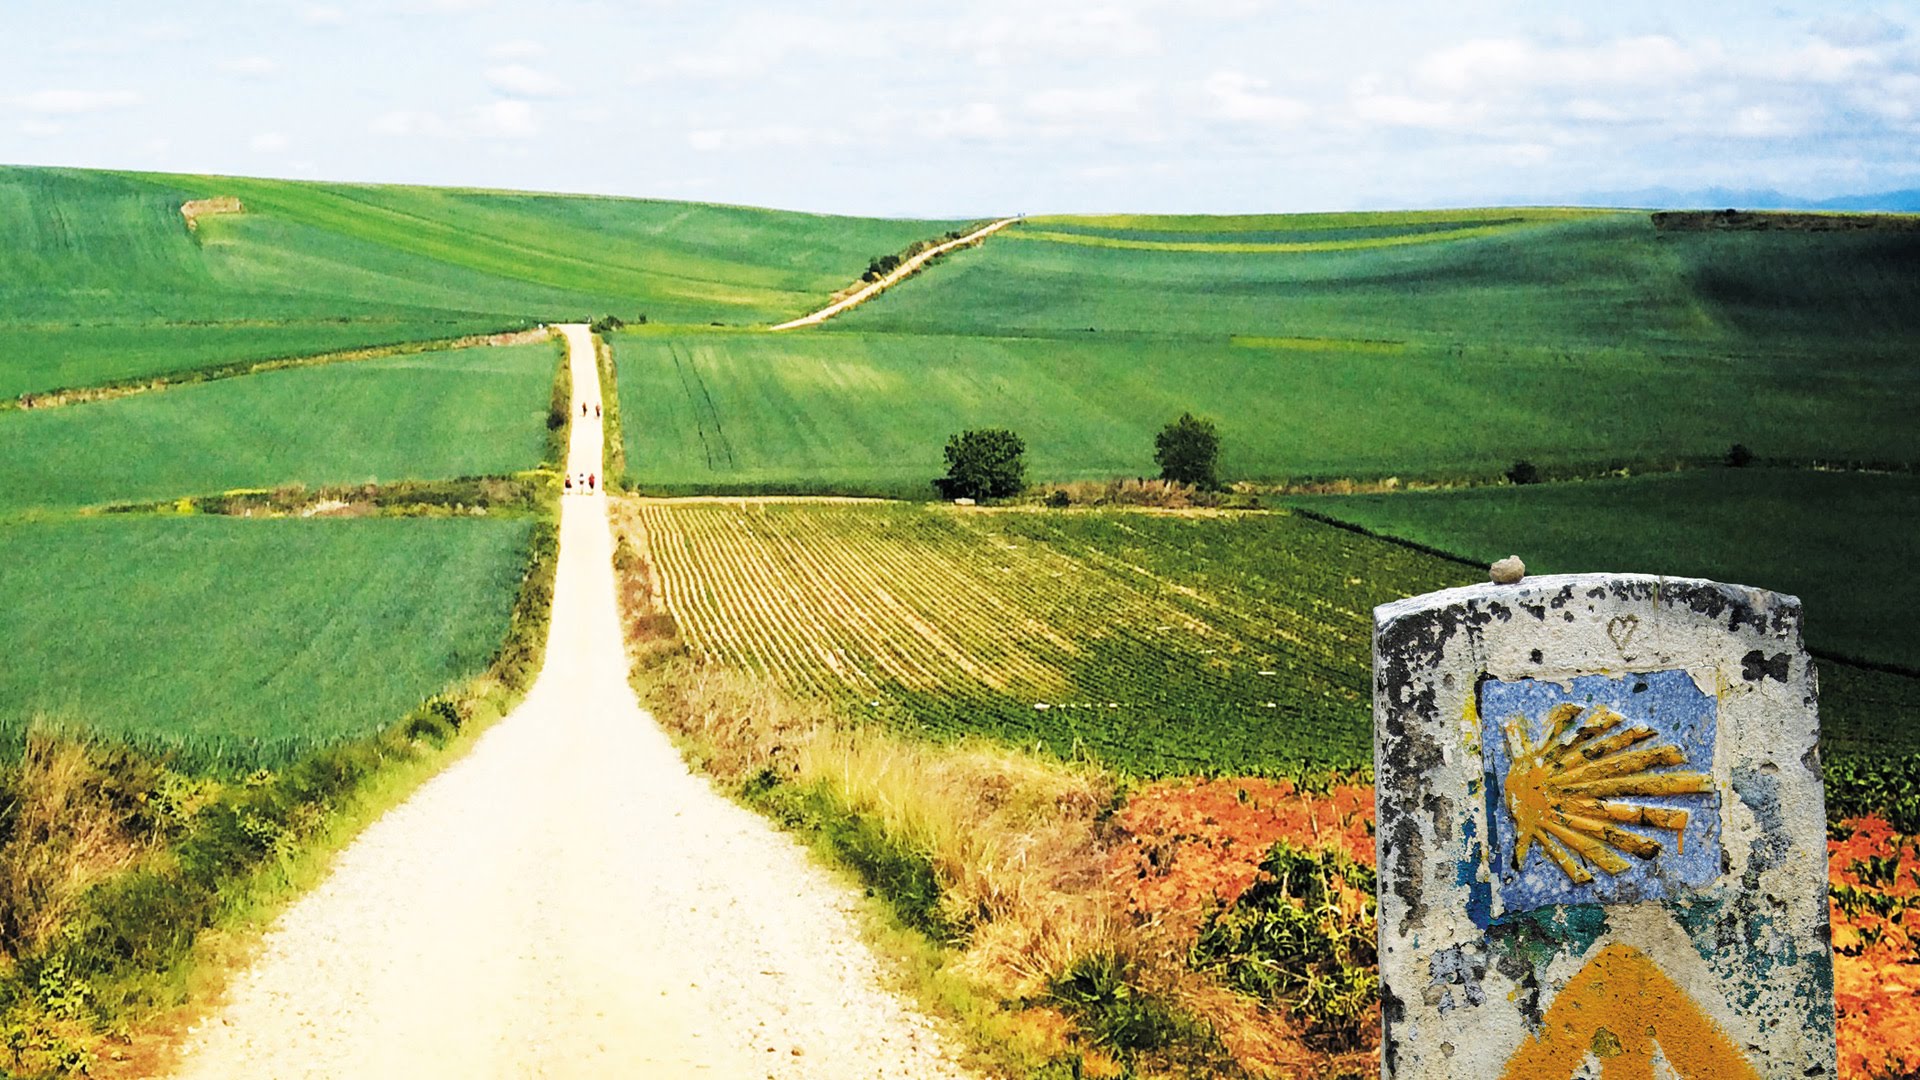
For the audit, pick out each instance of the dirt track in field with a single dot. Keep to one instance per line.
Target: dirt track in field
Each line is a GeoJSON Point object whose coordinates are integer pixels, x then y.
{"type": "Point", "coordinates": [900, 273]}
{"type": "Point", "coordinates": [568, 900]}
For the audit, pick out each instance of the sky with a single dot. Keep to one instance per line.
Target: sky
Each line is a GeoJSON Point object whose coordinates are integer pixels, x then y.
{"type": "Point", "coordinates": [969, 108]}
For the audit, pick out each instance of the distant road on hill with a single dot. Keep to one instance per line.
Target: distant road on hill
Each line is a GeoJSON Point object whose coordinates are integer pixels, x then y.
{"type": "Point", "coordinates": [900, 273]}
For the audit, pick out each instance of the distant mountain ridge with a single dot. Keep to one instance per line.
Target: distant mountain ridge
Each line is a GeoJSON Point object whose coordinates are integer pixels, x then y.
{"type": "Point", "coordinates": [1906, 201]}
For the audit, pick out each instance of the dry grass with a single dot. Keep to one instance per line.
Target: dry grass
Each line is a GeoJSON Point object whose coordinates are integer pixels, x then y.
{"type": "Point", "coordinates": [1014, 841]}
{"type": "Point", "coordinates": [1132, 491]}
{"type": "Point", "coordinates": [66, 822]}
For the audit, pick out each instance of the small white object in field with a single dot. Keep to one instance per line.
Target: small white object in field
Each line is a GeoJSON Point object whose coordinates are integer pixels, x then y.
{"type": "Point", "coordinates": [1508, 570]}
{"type": "Point", "coordinates": [963, 501]}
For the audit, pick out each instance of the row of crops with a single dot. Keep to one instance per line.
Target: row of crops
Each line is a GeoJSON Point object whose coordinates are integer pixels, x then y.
{"type": "Point", "coordinates": [1155, 643]}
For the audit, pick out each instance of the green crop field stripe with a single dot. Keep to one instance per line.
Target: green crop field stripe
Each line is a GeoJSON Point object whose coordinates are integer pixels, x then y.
{"type": "Point", "coordinates": [1229, 247]}
{"type": "Point", "coordinates": [956, 622]}
{"type": "Point", "coordinates": [439, 415]}
{"type": "Point", "coordinates": [247, 642]}
{"type": "Point", "coordinates": [867, 413]}
{"type": "Point", "coordinates": [1303, 344]}
{"type": "Point", "coordinates": [1697, 524]}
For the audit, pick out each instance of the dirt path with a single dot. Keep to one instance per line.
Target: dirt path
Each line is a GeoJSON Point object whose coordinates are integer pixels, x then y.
{"type": "Point", "coordinates": [567, 900]}
{"type": "Point", "coordinates": [874, 289]}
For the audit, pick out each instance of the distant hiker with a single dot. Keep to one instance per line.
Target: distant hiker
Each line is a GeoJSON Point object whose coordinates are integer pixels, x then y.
{"type": "Point", "coordinates": [569, 484]}
{"type": "Point", "coordinates": [596, 410]}
{"type": "Point", "coordinates": [583, 408]}
{"type": "Point", "coordinates": [590, 479]}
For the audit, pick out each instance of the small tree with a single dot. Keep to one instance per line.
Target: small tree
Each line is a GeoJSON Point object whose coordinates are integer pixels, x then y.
{"type": "Point", "coordinates": [1188, 452]}
{"type": "Point", "coordinates": [1523, 472]}
{"type": "Point", "coordinates": [983, 464]}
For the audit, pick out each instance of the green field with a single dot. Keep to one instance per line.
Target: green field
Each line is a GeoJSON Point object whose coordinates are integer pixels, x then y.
{"type": "Point", "coordinates": [1152, 642]}
{"type": "Point", "coordinates": [1155, 644]}
{"type": "Point", "coordinates": [427, 416]}
{"type": "Point", "coordinates": [869, 412]}
{"type": "Point", "coordinates": [237, 642]}
{"type": "Point", "coordinates": [1575, 282]}
{"type": "Point", "coordinates": [101, 279]}
{"type": "Point", "coordinates": [37, 358]}
{"type": "Point", "coordinates": [1842, 542]}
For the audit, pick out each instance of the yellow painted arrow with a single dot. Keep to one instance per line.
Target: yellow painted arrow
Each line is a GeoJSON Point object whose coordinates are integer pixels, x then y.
{"type": "Point", "coordinates": [1617, 1008]}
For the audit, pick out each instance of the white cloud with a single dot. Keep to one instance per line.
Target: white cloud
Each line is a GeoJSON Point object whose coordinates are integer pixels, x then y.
{"type": "Point", "coordinates": [268, 142]}
{"type": "Point", "coordinates": [974, 120]}
{"type": "Point", "coordinates": [520, 80]}
{"type": "Point", "coordinates": [1238, 96]}
{"type": "Point", "coordinates": [505, 119]}
{"type": "Point", "coordinates": [508, 119]}
{"type": "Point", "coordinates": [1401, 110]}
{"type": "Point", "coordinates": [1094, 30]}
{"type": "Point", "coordinates": [1895, 99]}
{"type": "Point", "coordinates": [1762, 122]}
{"type": "Point", "coordinates": [754, 138]}
{"type": "Point", "coordinates": [518, 49]}
{"type": "Point", "coordinates": [169, 33]}
{"type": "Point", "coordinates": [1856, 31]}
{"type": "Point", "coordinates": [757, 45]}
{"type": "Point", "coordinates": [74, 102]}
{"type": "Point", "coordinates": [40, 128]}
{"type": "Point", "coordinates": [1514, 64]}
{"type": "Point", "coordinates": [405, 123]}
{"type": "Point", "coordinates": [323, 15]}
{"type": "Point", "coordinates": [253, 66]}
{"type": "Point", "coordinates": [1816, 62]}
{"type": "Point", "coordinates": [1083, 103]}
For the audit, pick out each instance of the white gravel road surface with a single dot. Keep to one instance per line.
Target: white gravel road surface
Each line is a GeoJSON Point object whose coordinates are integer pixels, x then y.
{"type": "Point", "coordinates": [567, 900]}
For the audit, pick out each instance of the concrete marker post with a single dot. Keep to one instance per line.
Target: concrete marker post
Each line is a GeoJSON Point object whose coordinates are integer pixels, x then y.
{"type": "Point", "coordinates": [1601, 833]}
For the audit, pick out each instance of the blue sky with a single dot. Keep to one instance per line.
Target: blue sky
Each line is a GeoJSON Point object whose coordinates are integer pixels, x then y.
{"type": "Point", "coordinates": [974, 107]}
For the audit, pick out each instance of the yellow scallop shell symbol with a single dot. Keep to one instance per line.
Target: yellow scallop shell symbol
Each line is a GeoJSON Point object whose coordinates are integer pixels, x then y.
{"type": "Point", "coordinates": [1563, 790]}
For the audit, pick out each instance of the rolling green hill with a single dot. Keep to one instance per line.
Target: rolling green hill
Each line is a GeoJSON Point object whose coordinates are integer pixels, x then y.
{"type": "Point", "coordinates": [1433, 345]}
{"type": "Point", "coordinates": [101, 279]}
{"type": "Point", "coordinates": [1575, 282]}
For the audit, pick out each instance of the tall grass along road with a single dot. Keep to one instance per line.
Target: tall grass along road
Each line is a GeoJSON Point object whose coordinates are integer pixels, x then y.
{"type": "Point", "coordinates": [900, 273]}
{"type": "Point", "coordinates": [568, 900]}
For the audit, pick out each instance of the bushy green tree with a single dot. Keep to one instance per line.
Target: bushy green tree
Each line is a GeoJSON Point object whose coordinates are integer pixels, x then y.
{"type": "Point", "coordinates": [1523, 472]}
{"type": "Point", "coordinates": [1188, 452]}
{"type": "Point", "coordinates": [984, 464]}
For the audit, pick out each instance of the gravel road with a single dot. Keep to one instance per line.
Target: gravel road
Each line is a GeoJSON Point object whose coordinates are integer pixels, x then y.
{"type": "Point", "coordinates": [899, 274]}
{"type": "Point", "coordinates": [567, 900]}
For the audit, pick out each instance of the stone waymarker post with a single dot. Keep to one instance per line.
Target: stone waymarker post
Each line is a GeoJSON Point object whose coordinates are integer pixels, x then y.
{"type": "Point", "coordinates": [1602, 839]}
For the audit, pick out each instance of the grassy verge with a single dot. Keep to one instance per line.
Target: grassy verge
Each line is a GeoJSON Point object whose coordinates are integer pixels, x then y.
{"type": "Point", "coordinates": [991, 868]}
{"type": "Point", "coordinates": [559, 409]}
{"type": "Point", "coordinates": [614, 464]}
{"type": "Point", "coordinates": [127, 884]}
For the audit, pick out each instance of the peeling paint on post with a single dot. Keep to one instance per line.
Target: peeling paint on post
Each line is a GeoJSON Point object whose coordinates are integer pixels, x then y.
{"type": "Point", "coordinates": [1602, 835]}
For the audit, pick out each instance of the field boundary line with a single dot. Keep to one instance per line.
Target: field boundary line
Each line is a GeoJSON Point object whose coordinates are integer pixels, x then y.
{"type": "Point", "coordinates": [900, 273]}
{"type": "Point", "coordinates": [1882, 666]}
{"type": "Point", "coordinates": [1239, 247]}
{"type": "Point", "coordinates": [119, 388]}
